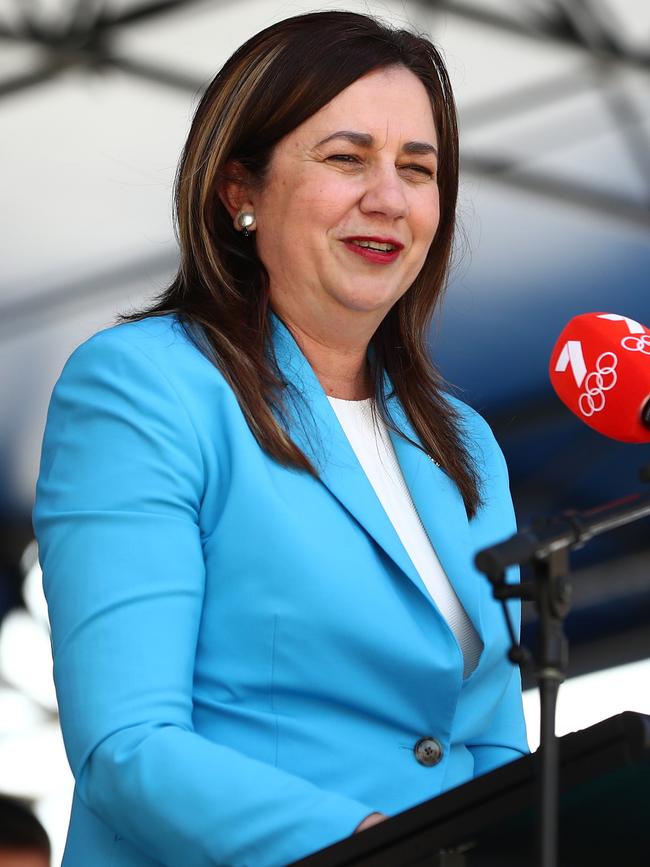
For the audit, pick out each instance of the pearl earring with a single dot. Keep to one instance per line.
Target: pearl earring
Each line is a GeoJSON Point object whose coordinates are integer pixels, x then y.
{"type": "Point", "coordinates": [245, 221]}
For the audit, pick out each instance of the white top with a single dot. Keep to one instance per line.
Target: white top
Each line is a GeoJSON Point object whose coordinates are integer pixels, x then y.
{"type": "Point", "coordinates": [373, 447]}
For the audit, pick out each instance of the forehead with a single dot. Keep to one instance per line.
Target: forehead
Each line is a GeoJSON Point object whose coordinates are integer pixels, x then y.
{"type": "Point", "coordinates": [391, 104]}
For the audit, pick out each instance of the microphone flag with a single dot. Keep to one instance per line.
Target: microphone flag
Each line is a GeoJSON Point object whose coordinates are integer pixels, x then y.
{"type": "Point", "coordinates": [600, 368]}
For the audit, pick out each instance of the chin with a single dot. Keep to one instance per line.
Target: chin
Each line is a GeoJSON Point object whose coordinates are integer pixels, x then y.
{"type": "Point", "coordinates": [370, 301]}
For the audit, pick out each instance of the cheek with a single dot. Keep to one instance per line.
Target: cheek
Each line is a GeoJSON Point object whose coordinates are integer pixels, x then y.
{"type": "Point", "coordinates": [330, 200]}
{"type": "Point", "coordinates": [431, 213]}
{"type": "Point", "coordinates": [294, 209]}
{"type": "Point", "coordinates": [278, 221]}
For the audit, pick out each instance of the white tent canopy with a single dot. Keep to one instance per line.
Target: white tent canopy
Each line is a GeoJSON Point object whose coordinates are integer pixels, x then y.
{"type": "Point", "coordinates": [96, 98]}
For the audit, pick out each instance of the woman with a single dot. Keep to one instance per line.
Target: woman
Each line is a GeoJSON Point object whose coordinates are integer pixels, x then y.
{"type": "Point", "coordinates": [257, 510]}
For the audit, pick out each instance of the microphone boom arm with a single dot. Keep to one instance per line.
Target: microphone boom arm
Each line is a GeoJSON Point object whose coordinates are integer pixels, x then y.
{"type": "Point", "coordinates": [567, 531]}
{"type": "Point", "coordinates": [546, 546]}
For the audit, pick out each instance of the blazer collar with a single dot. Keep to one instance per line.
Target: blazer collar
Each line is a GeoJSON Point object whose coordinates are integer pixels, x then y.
{"type": "Point", "coordinates": [314, 427]}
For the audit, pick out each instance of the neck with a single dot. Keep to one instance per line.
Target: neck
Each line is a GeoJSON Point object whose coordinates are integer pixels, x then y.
{"type": "Point", "coordinates": [340, 367]}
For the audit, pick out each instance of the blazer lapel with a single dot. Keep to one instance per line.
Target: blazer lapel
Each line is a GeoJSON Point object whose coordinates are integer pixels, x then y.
{"type": "Point", "coordinates": [315, 428]}
{"type": "Point", "coordinates": [442, 511]}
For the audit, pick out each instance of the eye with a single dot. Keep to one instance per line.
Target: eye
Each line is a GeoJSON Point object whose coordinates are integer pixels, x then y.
{"type": "Point", "coordinates": [417, 169]}
{"type": "Point", "coordinates": [345, 159]}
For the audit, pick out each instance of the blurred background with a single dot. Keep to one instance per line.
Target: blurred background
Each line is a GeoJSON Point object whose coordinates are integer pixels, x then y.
{"type": "Point", "coordinates": [96, 98]}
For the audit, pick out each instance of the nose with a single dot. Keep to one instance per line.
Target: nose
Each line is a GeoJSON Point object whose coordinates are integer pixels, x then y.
{"type": "Point", "coordinates": [385, 193]}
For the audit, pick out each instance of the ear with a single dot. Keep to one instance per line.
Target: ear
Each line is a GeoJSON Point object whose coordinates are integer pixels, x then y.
{"type": "Point", "coordinates": [234, 189]}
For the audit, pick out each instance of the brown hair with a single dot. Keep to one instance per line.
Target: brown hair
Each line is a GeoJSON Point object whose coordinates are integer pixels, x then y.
{"type": "Point", "coordinates": [274, 82]}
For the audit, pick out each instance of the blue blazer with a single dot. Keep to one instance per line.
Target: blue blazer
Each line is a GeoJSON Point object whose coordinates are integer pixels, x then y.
{"type": "Point", "coordinates": [245, 655]}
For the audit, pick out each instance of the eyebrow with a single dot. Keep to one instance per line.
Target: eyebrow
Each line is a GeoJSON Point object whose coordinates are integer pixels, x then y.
{"type": "Point", "coordinates": [365, 140]}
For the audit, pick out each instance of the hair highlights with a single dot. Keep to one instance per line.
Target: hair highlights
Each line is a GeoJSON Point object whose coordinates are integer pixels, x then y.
{"type": "Point", "coordinates": [270, 85]}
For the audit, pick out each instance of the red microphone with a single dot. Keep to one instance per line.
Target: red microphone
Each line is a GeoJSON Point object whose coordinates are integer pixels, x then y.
{"type": "Point", "coordinates": [600, 368]}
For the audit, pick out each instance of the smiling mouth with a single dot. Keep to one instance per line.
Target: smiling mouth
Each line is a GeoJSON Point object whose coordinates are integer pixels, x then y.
{"type": "Point", "coordinates": [374, 245]}
{"type": "Point", "coordinates": [375, 251]}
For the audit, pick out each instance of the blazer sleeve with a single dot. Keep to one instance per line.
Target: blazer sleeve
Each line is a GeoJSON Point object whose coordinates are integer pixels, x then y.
{"type": "Point", "coordinates": [116, 518]}
{"type": "Point", "coordinates": [504, 738]}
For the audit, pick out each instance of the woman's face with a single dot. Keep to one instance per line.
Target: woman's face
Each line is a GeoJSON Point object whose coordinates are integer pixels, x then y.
{"type": "Point", "coordinates": [350, 204]}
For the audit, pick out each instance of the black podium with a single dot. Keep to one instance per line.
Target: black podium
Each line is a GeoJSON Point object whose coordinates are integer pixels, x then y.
{"type": "Point", "coordinates": [490, 821]}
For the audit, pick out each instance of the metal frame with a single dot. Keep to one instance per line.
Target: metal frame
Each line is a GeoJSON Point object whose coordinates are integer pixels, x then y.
{"type": "Point", "coordinates": [85, 41]}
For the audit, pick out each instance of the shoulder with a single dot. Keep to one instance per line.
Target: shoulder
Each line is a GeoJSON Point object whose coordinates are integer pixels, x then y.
{"type": "Point", "coordinates": [483, 448]}
{"type": "Point", "coordinates": [476, 432]}
{"type": "Point", "coordinates": [150, 374]}
{"type": "Point", "coordinates": [163, 340]}
{"type": "Point", "coordinates": [150, 350]}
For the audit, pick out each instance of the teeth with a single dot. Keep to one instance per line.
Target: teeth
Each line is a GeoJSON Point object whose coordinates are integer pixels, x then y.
{"type": "Point", "coordinates": [375, 245]}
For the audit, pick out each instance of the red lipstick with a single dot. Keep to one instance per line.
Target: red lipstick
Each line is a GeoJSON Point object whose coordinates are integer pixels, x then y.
{"type": "Point", "coordinates": [373, 248]}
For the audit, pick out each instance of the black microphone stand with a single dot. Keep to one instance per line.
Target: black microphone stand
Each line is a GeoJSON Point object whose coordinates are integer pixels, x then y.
{"type": "Point", "coordinates": [546, 547]}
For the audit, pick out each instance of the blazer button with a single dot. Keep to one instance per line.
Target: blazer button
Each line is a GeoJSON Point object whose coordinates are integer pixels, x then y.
{"type": "Point", "coordinates": [428, 752]}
